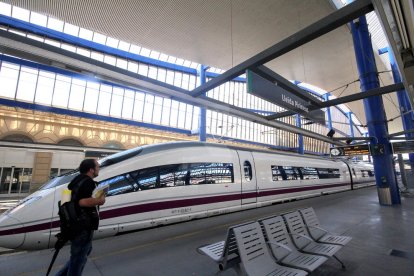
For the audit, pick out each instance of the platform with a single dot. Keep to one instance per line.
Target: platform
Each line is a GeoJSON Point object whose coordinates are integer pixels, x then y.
{"type": "Point", "coordinates": [382, 244]}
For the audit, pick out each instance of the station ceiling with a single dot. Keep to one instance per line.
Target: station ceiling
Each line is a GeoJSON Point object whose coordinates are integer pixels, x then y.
{"type": "Point", "coordinates": [224, 33]}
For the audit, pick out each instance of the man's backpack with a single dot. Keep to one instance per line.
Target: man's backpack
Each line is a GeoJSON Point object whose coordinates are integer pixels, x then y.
{"type": "Point", "coordinates": [70, 219]}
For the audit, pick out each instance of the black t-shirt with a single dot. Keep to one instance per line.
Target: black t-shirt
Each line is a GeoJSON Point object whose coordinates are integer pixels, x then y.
{"type": "Point", "coordinates": [85, 190]}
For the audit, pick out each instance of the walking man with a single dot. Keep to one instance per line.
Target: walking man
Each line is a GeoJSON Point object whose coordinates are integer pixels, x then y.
{"type": "Point", "coordinates": [82, 187]}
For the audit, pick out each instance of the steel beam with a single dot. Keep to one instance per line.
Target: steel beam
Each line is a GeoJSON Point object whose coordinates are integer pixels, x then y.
{"type": "Point", "coordinates": [317, 29]}
{"type": "Point", "coordinates": [346, 99]}
{"type": "Point", "coordinates": [49, 55]}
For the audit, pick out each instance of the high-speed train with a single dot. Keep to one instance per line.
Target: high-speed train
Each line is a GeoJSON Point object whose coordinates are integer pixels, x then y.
{"type": "Point", "coordinates": [172, 182]}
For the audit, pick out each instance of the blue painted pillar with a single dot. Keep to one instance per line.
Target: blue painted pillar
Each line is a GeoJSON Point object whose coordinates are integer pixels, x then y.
{"type": "Point", "coordinates": [301, 149]}
{"type": "Point", "coordinates": [351, 124]}
{"type": "Point", "coordinates": [374, 108]}
{"type": "Point", "coordinates": [366, 134]}
{"type": "Point", "coordinates": [203, 113]}
{"type": "Point", "coordinates": [405, 105]}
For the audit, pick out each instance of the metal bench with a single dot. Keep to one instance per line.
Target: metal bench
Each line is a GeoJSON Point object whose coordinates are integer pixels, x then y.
{"type": "Point", "coordinates": [304, 242]}
{"type": "Point", "coordinates": [224, 253]}
{"type": "Point", "coordinates": [316, 232]}
{"type": "Point", "coordinates": [284, 250]}
{"type": "Point", "coordinates": [256, 259]}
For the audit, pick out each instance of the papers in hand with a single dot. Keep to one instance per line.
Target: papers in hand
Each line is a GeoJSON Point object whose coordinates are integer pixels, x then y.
{"type": "Point", "coordinates": [100, 191]}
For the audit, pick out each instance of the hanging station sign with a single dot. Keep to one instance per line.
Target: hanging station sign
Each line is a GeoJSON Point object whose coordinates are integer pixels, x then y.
{"type": "Point", "coordinates": [264, 89]}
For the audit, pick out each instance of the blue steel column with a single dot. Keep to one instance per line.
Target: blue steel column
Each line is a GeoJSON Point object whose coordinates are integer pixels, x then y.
{"type": "Point", "coordinates": [351, 124]}
{"type": "Point", "coordinates": [366, 134]}
{"type": "Point", "coordinates": [203, 113]}
{"type": "Point", "coordinates": [405, 106]}
{"type": "Point", "coordinates": [301, 149]}
{"type": "Point", "coordinates": [374, 107]}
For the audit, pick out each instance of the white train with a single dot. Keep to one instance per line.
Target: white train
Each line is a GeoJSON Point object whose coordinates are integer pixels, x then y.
{"type": "Point", "coordinates": [167, 183]}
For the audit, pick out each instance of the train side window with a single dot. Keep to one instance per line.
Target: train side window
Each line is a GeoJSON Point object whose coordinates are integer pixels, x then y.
{"type": "Point", "coordinates": [248, 173]}
{"type": "Point", "coordinates": [363, 173]}
{"type": "Point", "coordinates": [292, 173]}
{"type": "Point", "coordinates": [309, 173]}
{"type": "Point", "coordinates": [148, 178]}
{"type": "Point", "coordinates": [277, 174]}
{"type": "Point", "coordinates": [120, 184]}
{"type": "Point", "coordinates": [371, 173]}
{"type": "Point", "coordinates": [211, 173]}
{"type": "Point", "coordinates": [325, 173]}
{"type": "Point", "coordinates": [353, 172]}
{"type": "Point", "coordinates": [173, 175]}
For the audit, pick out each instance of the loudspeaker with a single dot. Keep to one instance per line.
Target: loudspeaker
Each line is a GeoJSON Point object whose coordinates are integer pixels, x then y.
{"type": "Point", "coordinates": [331, 133]}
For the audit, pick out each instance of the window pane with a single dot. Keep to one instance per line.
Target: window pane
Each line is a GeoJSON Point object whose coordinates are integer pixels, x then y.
{"type": "Point", "coordinates": [148, 108]}
{"type": "Point", "coordinates": [77, 94]}
{"type": "Point", "coordinates": [8, 79]}
{"type": "Point", "coordinates": [157, 110]}
{"type": "Point", "coordinates": [27, 84]}
{"type": "Point", "coordinates": [45, 85]}
{"type": "Point", "coordinates": [128, 104]}
{"type": "Point", "coordinates": [116, 104]}
{"type": "Point", "coordinates": [20, 13]}
{"type": "Point", "coordinates": [309, 173]}
{"type": "Point", "coordinates": [105, 94]}
{"type": "Point", "coordinates": [61, 94]}
{"type": "Point", "coordinates": [139, 106]}
{"type": "Point", "coordinates": [292, 173]}
{"type": "Point", "coordinates": [174, 113]}
{"type": "Point", "coordinates": [112, 42]}
{"type": "Point", "coordinates": [55, 24]}
{"type": "Point", "coordinates": [147, 178]}
{"type": "Point", "coordinates": [92, 95]}
{"type": "Point", "coordinates": [276, 173]}
{"type": "Point", "coordinates": [120, 185]}
{"type": "Point", "coordinates": [165, 118]}
{"type": "Point", "coordinates": [85, 34]}
{"type": "Point", "coordinates": [99, 38]}
{"type": "Point", "coordinates": [38, 19]}
{"type": "Point", "coordinates": [71, 29]}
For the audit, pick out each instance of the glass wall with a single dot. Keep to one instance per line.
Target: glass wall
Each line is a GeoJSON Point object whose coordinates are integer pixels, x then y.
{"type": "Point", "coordinates": [25, 82]}
{"type": "Point", "coordinates": [15, 180]}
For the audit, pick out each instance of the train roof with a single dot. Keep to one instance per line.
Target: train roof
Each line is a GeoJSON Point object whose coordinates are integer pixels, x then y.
{"type": "Point", "coordinates": [147, 149]}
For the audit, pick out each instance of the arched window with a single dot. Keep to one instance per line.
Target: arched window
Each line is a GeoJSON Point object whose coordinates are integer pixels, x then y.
{"type": "Point", "coordinates": [113, 145]}
{"type": "Point", "coordinates": [17, 138]}
{"type": "Point", "coordinates": [70, 142]}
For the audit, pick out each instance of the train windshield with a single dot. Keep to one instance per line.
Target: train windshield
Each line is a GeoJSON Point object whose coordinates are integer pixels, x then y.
{"type": "Point", "coordinates": [60, 180]}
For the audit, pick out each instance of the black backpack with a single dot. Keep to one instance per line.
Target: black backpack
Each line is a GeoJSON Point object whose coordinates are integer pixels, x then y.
{"type": "Point", "coordinates": [70, 218]}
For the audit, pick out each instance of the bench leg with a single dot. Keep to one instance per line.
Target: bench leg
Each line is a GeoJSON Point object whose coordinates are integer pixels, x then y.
{"type": "Point", "coordinates": [342, 264]}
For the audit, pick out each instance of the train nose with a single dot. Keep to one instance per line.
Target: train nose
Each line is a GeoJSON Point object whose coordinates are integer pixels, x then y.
{"type": "Point", "coordinates": [11, 235]}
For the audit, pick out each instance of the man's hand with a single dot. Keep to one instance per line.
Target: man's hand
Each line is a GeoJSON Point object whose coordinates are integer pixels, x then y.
{"type": "Point", "coordinates": [92, 202]}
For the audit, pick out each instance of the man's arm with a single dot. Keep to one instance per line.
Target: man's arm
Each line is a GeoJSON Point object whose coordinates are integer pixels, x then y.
{"type": "Point", "coordinates": [91, 201]}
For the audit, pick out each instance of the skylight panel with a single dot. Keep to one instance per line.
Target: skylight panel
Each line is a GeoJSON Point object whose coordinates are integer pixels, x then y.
{"type": "Point", "coordinates": [20, 13]}
{"type": "Point", "coordinates": [38, 19]}
{"type": "Point", "coordinates": [85, 34]}
{"type": "Point", "coordinates": [55, 24]}
{"type": "Point", "coordinates": [5, 9]}
{"type": "Point", "coordinates": [71, 29]}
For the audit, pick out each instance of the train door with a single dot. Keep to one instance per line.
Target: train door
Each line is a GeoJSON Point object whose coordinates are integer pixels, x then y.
{"type": "Point", "coordinates": [248, 177]}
